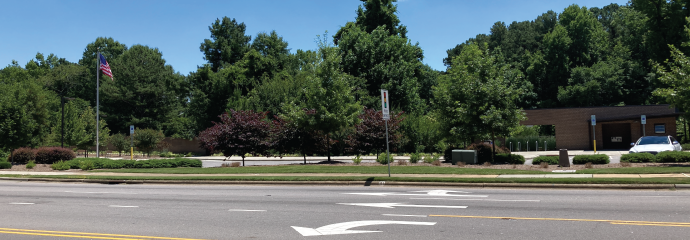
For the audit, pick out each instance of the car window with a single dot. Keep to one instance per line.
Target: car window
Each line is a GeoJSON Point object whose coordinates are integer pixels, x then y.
{"type": "Point", "coordinates": [653, 140]}
{"type": "Point", "coordinates": [673, 139]}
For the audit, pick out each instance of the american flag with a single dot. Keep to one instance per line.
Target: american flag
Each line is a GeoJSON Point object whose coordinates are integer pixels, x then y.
{"type": "Point", "coordinates": [105, 67]}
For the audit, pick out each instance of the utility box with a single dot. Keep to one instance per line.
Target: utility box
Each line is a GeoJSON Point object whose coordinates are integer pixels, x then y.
{"type": "Point", "coordinates": [563, 159]}
{"type": "Point", "coordinates": [466, 156]}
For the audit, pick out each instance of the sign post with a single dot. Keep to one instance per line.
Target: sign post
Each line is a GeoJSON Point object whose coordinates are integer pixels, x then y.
{"type": "Point", "coordinates": [385, 109]}
{"type": "Point", "coordinates": [643, 120]}
{"type": "Point", "coordinates": [594, 133]}
{"type": "Point", "coordinates": [131, 137]}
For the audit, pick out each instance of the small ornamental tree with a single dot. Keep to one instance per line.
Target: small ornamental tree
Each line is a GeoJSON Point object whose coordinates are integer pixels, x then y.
{"type": "Point", "coordinates": [370, 133]}
{"type": "Point", "coordinates": [238, 133]}
{"type": "Point", "coordinates": [120, 142]}
{"type": "Point", "coordinates": [148, 139]}
{"type": "Point", "coordinates": [288, 137]}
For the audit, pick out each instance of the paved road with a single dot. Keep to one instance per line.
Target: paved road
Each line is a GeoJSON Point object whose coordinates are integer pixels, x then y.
{"type": "Point", "coordinates": [49, 210]}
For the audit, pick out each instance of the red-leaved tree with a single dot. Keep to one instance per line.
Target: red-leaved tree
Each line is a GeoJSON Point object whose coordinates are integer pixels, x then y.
{"type": "Point", "coordinates": [370, 133]}
{"type": "Point", "coordinates": [289, 138]}
{"type": "Point", "coordinates": [238, 133]}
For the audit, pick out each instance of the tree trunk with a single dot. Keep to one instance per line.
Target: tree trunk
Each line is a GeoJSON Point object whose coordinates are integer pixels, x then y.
{"type": "Point", "coordinates": [493, 145]}
{"type": "Point", "coordinates": [328, 143]}
{"type": "Point", "coordinates": [305, 158]}
{"type": "Point", "coordinates": [242, 160]}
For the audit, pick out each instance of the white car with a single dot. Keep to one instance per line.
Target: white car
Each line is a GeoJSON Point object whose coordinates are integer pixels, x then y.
{"type": "Point", "coordinates": [655, 144]}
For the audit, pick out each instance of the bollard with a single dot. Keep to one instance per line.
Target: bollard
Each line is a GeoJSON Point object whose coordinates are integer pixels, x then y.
{"type": "Point", "coordinates": [536, 146]}
{"type": "Point", "coordinates": [545, 146]}
{"type": "Point", "coordinates": [563, 160]}
{"type": "Point", "coordinates": [511, 146]}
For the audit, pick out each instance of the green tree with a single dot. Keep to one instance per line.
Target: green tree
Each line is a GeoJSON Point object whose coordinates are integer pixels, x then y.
{"type": "Point", "coordinates": [326, 103]}
{"type": "Point", "coordinates": [147, 140]}
{"type": "Point", "coordinates": [227, 44]}
{"type": "Point", "coordinates": [110, 49]}
{"type": "Point", "coordinates": [477, 97]}
{"type": "Point", "coordinates": [120, 142]}
{"type": "Point", "coordinates": [374, 14]}
{"type": "Point", "coordinates": [25, 109]}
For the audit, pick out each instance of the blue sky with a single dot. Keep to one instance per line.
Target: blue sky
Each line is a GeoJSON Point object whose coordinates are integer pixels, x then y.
{"type": "Point", "coordinates": [177, 28]}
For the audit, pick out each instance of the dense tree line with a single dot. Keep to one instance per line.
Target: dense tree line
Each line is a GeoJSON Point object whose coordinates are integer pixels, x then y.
{"type": "Point", "coordinates": [315, 100]}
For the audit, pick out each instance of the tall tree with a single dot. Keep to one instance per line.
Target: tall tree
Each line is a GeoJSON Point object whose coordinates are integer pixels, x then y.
{"type": "Point", "coordinates": [110, 49]}
{"type": "Point", "coordinates": [227, 44]}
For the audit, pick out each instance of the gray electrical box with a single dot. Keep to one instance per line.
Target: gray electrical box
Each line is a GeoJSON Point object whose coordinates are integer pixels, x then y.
{"type": "Point", "coordinates": [466, 156]}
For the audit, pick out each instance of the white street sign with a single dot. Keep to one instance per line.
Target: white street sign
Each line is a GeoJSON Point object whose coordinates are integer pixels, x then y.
{"type": "Point", "coordinates": [131, 129]}
{"type": "Point", "coordinates": [644, 119]}
{"type": "Point", "coordinates": [594, 120]}
{"type": "Point", "coordinates": [385, 104]}
{"type": "Point", "coordinates": [393, 205]}
{"type": "Point", "coordinates": [342, 228]}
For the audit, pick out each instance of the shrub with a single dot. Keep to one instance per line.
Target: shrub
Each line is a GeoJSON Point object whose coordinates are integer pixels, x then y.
{"type": "Point", "coordinates": [431, 158]}
{"type": "Point", "coordinates": [637, 158]}
{"type": "Point", "coordinates": [509, 158]}
{"type": "Point", "coordinates": [31, 164]}
{"type": "Point", "coordinates": [49, 155]}
{"type": "Point", "coordinates": [5, 165]}
{"type": "Point", "coordinates": [357, 160]}
{"type": "Point", "coordinates": [436, 163]}
{"type": "Point", "coordinates": [382, 159]}
{"type": "Point", "coordinates": [551, 160]}
{"type": "Point", "coordinates": [235, 164]}
{"type": "Point", "coordinates": [103, 163]}
{"type": "Point", "coordinates": [588, 165]}
{"type": "Point", "coordinates": [147, 140]}
{"type": "Point", "coordinates": [86, 165]}
{"type": "Point", "coordinates": [594, 159]}
{"type": "Point", "coordinates": [544, 165]}
{"type": "Point", "coordinates": [60, 166]}
{"type": "Point", "coordinates": [23, 155]}
{"type": "Point", "coordinates": [414, 158]}
{"type": "Point", "coordinates": [671, 157]}
{"type": "Point", "coordinates": [484, 151]}
{"type": "Point", "coordinates": [189, 154]}
{"type": "Point", "coordinates": [402, 162]}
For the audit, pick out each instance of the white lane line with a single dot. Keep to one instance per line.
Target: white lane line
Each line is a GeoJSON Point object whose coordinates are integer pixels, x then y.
{"type": "Point", "coordinates": [97, 192]}
{"type": "Point", "coordinates": [661, 196]}
{"type": "Point", "coordinates": [403, 215]}
{"type": "Point", "coordinates": [22, 203]}
{"type": "Point", "coordinates": [393, 205]}
{"type": "Point", "coordinates": [245, 210]}
{"type": "Point", "coordinates": [118, 206]}
{"type": "Point", "coordinates": [488, 200]}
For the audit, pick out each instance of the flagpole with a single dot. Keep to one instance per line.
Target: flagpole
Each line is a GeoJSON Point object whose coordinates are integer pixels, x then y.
{"type": "Point", "coordinates": [98, 81]}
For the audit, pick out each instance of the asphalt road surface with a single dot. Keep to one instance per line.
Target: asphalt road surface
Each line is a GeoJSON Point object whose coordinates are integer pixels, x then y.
{"type": "Point", "coordinates": [92, 211]}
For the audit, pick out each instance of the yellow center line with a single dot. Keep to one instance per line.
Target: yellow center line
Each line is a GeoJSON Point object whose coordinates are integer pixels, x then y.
{"type": "Point", "coordinates": [618, 222]}
{"type": "Point", "coordinates": [82, 234]}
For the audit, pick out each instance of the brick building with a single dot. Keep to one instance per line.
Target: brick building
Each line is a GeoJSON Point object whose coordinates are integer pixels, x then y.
{"type": "Point", "coordinates": [616, 127]}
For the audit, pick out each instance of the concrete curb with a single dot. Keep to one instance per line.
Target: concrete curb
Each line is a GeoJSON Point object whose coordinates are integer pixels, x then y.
{"type": "Point", "coordinates": [367, 183]}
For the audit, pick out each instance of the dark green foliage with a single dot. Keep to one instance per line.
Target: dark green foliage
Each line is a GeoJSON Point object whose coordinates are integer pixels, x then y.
{"type": "Point", "coordinates": [102, 163]}
{"type": "Point", "coordinates": [638, 157]}
{"type": "Point", "coordinates": [551, 160]}
{"type": "Point", "coordinates": [49, 155]}
{"type": "Point", "coordinates": [672, 157]}
{"type": "Point", "coordinates": [5, 165]}
{"type": "Point", "coordinates": [23, 155]}
{"type": "Point", "coordinates": [120, 142]}
{"type": "Point", "coordinates": [594, 159]}
{"type": "Point", "coordinates": [509, 158]}
{"type": "Point", "coordinates": [415, 157]}
{"type": "Point", "coordinates": [484, 151]}
{"type": "Point", "coordinates": [227, 44]}
{"type": "Point", "coordinates": [146, 140]}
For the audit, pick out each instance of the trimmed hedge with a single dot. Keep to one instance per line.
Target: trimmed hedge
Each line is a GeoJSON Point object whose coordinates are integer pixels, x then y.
{"type": "Point", "coordinates": [672, 157]}
{"type": "Point", "coordinates": [23, 155]}
{"type": "Point", "coordinates": [101, 163]}
{"type": "Point", "coordinates": [50, 155]}
{"type": "Point", "coordinates": [551, 160]}
{"type": "Point", "coordinates": [5, 165]}
{"type": "Point", "coordinates": [509, 158]}
{"type": "Point", "coordinates": [594, 159]}
{"type": "Point", "coordinates": [638, 157]}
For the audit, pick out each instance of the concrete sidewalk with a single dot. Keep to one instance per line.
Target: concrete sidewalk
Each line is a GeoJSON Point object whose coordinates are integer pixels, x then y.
{"type": "Point", "coordinates": [680, 175]}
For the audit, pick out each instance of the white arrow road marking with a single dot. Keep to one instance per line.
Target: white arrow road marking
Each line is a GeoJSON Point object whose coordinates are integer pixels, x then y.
{"type": "Point", "coordinates": [342, 228]}
{"type": "Point", "coordinates": [393, 205]}
{"type": "Point", "coordinates": [403, 215]}
{"type": "Point", "coordinates": [97, 192]}
{"type": "Point", "coordinates": [123, 206]}
{"type": "Point", "coordinates": [487, 200]}
{"type": "Point", "coordinates": [416, 194]}
{"type": "Point", "coordinates": [22, 203]}
{"type": "Point", "coordinates": [245, 210]}
{"type": "Point", "coordinates": [440, 192]}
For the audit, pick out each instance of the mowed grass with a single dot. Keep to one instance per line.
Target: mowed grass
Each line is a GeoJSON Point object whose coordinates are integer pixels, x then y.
{"type": "Point", "coordinates": [329, 169]}
{"type": "Point", "coordinates": [373, 180]}
{"type": "Point", "coordinates": [637, 170]}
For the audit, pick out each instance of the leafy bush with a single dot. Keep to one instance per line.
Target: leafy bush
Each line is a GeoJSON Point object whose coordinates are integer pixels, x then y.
{"type": "Point", "coordinates": [120, 142]}
{"type": "Point", "coordinates": [594, 159]}
{"type": "Point", "coordinates": [685, 146]}
{"type": "Point", "coordinates": [430, 158]}
{"type": "Point", "coordinates": [357, 160]}
{"type": "Point", "coordinates": [551, 160]}
{"type": "Point", "coordinates": [671, 157]}
{"type": "Point", "coordinates": [382, 159]}
{"type": "Point", "coordinates": [60, 165]}
{"type": "Point", "coordinates": [638, 157]}
{"type": "Point", "coordinates": [484, 151]}
{"type": "Point", "coordinates": [5, 165]}
{"type": "Point", "coordinates": [189, 154]}
{"type": "Point", "coordinates": [509, 158]}
{"type": "Point", "coordinates": [49, 155]}
{"type": "Point", "coordinates": [148, 139]}
{"type": "Point", "coordinates": [103, 163]}
{"type": "Point", "coordinates": [24, 155]}
{"type": "Point", "coordinates": [414, 158]}
{"type": "Point", "coordinates": [31, 164]}
{"type": "Point", "coordinates": [86, 165]}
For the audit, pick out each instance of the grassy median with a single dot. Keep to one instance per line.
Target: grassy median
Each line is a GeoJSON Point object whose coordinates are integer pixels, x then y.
{"type": "Point", "coordinates": [374, 180]}
{"type": "Point", "coordinates": [637, 170]}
